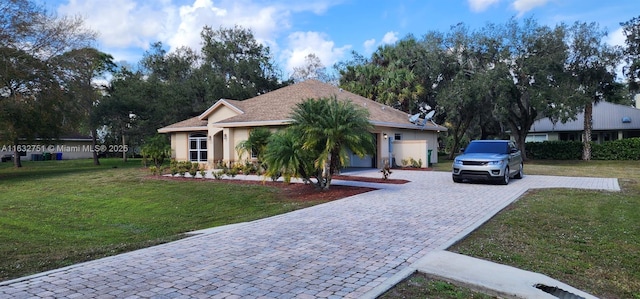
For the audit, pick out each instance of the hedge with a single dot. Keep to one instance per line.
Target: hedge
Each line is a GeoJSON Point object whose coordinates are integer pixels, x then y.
{"type": "Point", "coordinates": [623, 149]}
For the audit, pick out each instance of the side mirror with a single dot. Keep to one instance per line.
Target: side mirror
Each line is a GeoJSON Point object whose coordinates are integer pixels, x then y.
{"type": "Point", "coordinates": [514, 150]}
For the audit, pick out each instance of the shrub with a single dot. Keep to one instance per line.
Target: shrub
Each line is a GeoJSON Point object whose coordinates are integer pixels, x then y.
{"type": "Point", "coordinates": [203, 173]}
{"type": "Point", "coordinates": [173, 167]}
{"type": "Point", "coordinates": [153, 169]}
{"type": "Point", "coordinates": [157, 149]}
{"type": "Point", "coordinates": [232, 172]}
{"type": "Point", "coordinates": [248, 168]}
{"type": "Point", "coordinates": [405, 162]}
{"type": "Point", "coordinates": [411, 162]}
{"type": "Point", "coordinates": [386, 170]}
{"type": "Point", "coordinates": [218, 175]}
{"type": "Point", "coordinates": [623, 149]}
{"type": "Point", "coordinates": [193, 169]}
{"type": "Point", "coordinates": [220, 164]}
{"type": "Point", "coordinates": [554, 150]}
{"type": "Point", "coordinates": [162, 169]}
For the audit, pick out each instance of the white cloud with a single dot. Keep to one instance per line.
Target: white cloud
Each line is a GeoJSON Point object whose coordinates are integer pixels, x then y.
{"type": "Point", "coordinates": [390, 37]}
{"type": "Point", "coordinates": [616, 38]}
{"type": "Point", "coordinates": [265, 21]}
{"type": "Point", "coordinates": [523, 6]}
{"type": "Point", "coordinates": [301, 44]}
{"type": "Point", "coordinates": [128, 26]}
{"type": "Point", "coordinates": [123, 23]}
{"type": "Point", "coordinates": [369, 45]}
{"type": "Point", "coordinates": [481, 5]}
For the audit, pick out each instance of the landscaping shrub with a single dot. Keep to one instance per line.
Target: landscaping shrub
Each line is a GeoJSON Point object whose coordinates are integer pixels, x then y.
{"type": "Point", "coordinates": [554, 150]}
{"type": "Point", "coordinates": [623, 149]}
{"type": "Point", "coordinates": [193, 169]}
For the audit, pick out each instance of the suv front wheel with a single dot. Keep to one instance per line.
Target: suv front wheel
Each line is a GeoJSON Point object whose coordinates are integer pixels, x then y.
{"type": "Point", "coordinates": [505, 178]}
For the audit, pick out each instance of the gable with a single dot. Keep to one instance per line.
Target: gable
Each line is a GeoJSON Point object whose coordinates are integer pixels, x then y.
{"type": "Point", "coordinates": [223, 108]}
{"type": "Point", "coordinates": [221, 113]}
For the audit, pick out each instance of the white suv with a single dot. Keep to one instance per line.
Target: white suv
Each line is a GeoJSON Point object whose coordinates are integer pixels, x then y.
{"type": "Point", "coordinates": [494, 160]}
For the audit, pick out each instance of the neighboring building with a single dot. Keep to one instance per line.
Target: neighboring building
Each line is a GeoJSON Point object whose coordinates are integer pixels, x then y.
{"type": "Point", "coordinates": [610, 122]}
{"type": "Point", "coordinates": [213, 136]}
{"type": "Point", "coordinates": [66, 147]}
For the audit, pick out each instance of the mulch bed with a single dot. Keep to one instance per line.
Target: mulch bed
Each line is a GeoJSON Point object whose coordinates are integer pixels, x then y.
{"type": "Point", "coordinates": [301, 192]}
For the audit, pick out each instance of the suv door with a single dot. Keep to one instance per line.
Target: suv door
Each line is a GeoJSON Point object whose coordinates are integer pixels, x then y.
{"type": "Point", "coordinates": [515, 158]}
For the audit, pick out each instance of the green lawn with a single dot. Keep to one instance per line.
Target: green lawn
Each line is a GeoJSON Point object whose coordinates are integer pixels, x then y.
{"type": "Point", "coordinates": [57, 213]}
{"type": "Point", "coordinates": [588, 239]}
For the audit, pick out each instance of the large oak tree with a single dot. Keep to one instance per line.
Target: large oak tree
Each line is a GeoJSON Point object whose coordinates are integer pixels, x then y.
{"type": "Point", "coordinates": [34, 99]}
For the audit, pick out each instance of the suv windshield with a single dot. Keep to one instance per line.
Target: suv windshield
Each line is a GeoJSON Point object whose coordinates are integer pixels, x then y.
{"type": "Point", "coordinates": [487, 147]}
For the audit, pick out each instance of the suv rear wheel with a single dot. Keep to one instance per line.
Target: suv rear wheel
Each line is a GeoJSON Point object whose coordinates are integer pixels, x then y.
{"type": "Point", "coordinates": [520, 173]}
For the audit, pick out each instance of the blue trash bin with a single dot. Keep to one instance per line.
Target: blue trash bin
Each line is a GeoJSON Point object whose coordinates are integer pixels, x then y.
{"type": "Point", "coordinates": [58, 156]}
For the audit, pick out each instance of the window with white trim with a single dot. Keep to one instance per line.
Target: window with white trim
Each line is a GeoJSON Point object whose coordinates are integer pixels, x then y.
{"type": "Point", "coordinates": [198, 147]}
{"type": "Point", "coordinates": [536, 138]}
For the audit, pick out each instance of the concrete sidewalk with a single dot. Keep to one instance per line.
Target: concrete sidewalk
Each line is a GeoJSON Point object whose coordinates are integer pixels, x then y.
{"type": "Point", "coordinates": [351, 248]}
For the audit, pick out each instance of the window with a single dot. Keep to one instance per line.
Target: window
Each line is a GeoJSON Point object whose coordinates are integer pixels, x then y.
{"type": "Point", "coordinates": [198, 147]}
{"type": "Point", "coordinates": [398, 136]}
{"type": "Point", "coordinates": [569, 137]}
{"type": "Point", "coordinates": [254, 153]}
{"type": "Point", "coordinates": [536, 138]}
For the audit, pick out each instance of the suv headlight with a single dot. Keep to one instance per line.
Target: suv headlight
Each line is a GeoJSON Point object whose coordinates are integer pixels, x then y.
{"type": "Point", "coordinates": [495, 162]}
{"type": "Point", "coordinates": [457, 162]}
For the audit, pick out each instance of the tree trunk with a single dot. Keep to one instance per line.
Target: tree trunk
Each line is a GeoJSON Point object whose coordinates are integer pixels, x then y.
{"type": "Point", "coordinates": [326, 174]}
{"type": "Point", "coordinates": [16, 156]}
{"type": "Point", "coordinates": [124, 145]}
{"type": "Point", "coordinates": [94, 141]}
{"type": "Point", "coordinates": [454, 147]}
{"type": "Point", "coordinates": [588, 126]}
{"type": "Point", "coordinates": [458, 133]}
{"type": "Point", "coordinates": [520, 136]}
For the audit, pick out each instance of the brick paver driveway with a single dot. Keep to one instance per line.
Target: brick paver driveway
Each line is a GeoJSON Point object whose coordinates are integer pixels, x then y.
{"type": "Point", "coordinates": [342, 249]}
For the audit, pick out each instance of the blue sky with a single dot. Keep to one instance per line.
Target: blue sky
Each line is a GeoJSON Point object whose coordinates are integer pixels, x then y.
{"type": "Point", "coordinates": [331, 29]}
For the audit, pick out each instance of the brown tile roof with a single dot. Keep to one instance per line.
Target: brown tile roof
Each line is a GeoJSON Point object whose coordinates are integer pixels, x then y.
{"type": "Point", "coordinates": [276, 107]}
{"type": "Point", "coordinates": [193, 122]}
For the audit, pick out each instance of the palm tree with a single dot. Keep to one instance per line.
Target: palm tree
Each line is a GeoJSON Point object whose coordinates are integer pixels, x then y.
{"type": "Point", "coordinates": [284, 156]}
{"type": "Point", "coordinates": [328, 127]}
{"type": "Point", "coordinates": [256, 143]}
{"type": "Point", "coordinates": [590, 63]}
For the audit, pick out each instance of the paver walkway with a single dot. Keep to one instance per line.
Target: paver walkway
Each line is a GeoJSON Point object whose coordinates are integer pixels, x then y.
{"type": "Point", "coordinates": [342, 249]}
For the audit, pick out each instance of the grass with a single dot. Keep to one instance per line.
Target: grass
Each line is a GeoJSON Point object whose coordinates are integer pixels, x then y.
{"type": "Point", "coordinates": [58, 213]}
{"type": "Point", "coordinates": [420, 285]}
{"type": "Point", "coordinates": [588, 239]}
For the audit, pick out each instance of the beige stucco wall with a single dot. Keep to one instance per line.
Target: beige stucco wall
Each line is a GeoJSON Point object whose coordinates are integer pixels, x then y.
{"type": "Point", "coordinates": [180, 146]}
{"type": "Point", "coordinates": [430, 137]}
{"type": "Point", "coordinates": [406, 149]}
{"type": "Point", "coordinates": [222, 112]}
{"type": "Point", "coordinates": [239, 135]}
{"type": "Point", "coordinates": [222, 143]}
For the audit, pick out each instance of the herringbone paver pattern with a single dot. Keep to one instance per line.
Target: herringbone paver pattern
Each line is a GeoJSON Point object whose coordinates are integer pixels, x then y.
{"type": "Point", "coordinates": [341, 249]}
